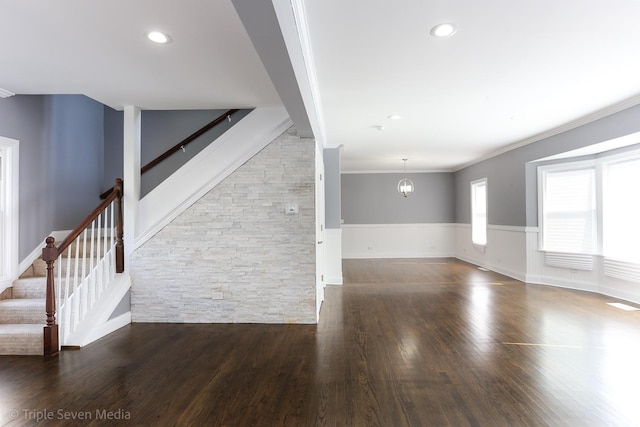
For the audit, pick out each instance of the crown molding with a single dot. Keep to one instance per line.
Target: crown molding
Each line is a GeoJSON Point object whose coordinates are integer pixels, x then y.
{"type": "Point", "coordinates": [616, 108]}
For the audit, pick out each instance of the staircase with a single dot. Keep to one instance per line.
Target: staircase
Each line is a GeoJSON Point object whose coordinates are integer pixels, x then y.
{"type": "Point", "coordinates": [23, 313]}
{"type": "Point", "coordinates": [85, 305]}
{"type": "Point", "coordinates": [22, 316]}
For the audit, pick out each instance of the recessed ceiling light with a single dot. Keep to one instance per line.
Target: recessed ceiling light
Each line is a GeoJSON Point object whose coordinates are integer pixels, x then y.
{"type": "Point", "coordinates": [158, 37]}
{"type": "Point", "coordinates": [378, 127]}
{"type": "Point", "coordinates": [444, 30]}
{"type": "Point", "coordinates": [394, 117]}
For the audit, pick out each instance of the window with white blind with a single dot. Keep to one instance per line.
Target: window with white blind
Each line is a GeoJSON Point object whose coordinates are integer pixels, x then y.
{"type": "Point", "coordinates": [621, 210]}
{"type": "Point", "coordinates": [568, 214]}
{"type": "Point", "coordinates": [592, 208]}
{"type": "Point", "coordinates": [479, 212]}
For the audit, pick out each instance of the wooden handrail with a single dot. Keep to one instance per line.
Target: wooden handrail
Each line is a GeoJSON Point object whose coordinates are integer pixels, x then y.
{"type": "Point", "coordinates": [50, 254]}
{"type": "Point", "coordinates": [187, 140]}
{"type": "Point", "coordinates": [115, 194]}
{"type": "Point", "coordinates": [181, 144]}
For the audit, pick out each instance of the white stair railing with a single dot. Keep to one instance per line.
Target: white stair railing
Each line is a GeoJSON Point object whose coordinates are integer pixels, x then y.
{"type": "Point", "coordinates": [90, 257]}
{"type": "Point", "coordinates": [89, 268]}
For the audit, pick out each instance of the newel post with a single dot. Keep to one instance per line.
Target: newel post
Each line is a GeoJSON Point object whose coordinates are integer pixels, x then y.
{"type": "Point", "coordinates": [119, 228]}
{"type": "Point", "coordinates": [49, 255]}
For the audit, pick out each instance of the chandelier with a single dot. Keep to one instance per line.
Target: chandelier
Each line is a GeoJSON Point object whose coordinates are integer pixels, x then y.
{"type": "Point", "coordinates": [405, 186]}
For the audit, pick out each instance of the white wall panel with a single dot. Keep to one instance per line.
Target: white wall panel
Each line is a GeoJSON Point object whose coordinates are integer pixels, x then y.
{"type": "Point", "coordinates": [592, 281]}
{"type": "Point", "coordinates": [398, 240]}
{"type": "Point", "coordinates": [333, 256]}
{"type": "Point", "coordinates": [504, 253]}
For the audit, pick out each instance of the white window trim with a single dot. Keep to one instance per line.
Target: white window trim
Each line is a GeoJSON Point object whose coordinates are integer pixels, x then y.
{"type": "Point", "coordinates": [10, 178]}
{"type": "Point", "coordinates": [612, 264]}
{"type": "Point", "coordinates": [612, 267]}
{"type": "Point", "coordinates": [558, 167]}
{"type": "Point", "coordinates": [486, 225]}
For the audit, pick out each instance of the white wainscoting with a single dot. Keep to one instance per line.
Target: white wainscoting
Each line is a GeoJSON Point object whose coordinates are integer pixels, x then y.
{"type": "Point", "coordinates": [398, 240]}
{"type": "Point", "coordinates": [512, 251]}
{"type": "Point", "coordinates": [593, 280]}
{"type": "Point", "coordinates": [504, 253]}
{"type": "Point", "coordinates": [333, 256]}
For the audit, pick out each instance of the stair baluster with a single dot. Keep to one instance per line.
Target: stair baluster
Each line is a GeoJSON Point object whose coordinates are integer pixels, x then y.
{"type": "Point", "coordinates": [77, 294]}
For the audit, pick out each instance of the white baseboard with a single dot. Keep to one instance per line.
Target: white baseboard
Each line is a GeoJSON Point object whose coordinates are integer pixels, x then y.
{"type": "Point", "coordinates": [504, 253]}
{"type": "Point", "coordinates": [517, 275]}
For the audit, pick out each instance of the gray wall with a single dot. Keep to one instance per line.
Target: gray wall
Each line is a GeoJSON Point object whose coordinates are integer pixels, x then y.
{"type": "Point", "coordinates": [76, 136]}
{"type": "Point", "coordinates": [23, 118]}
{"type": "Point", "coordinates": [512, 185]}
{"type": "Point", "coordinates": [374, 199]}
{"type": "Point", "coordinates": [113, 149]}
{"type": "Point", "coordinates": [332, 183]}
{"type": "Point", "coordinates": [162, 130]}
{"type": "Point", "coordinates": [60, 139]}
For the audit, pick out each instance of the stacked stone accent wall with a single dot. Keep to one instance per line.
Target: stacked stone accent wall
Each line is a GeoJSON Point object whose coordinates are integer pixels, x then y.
{"type": "Point", "coordinates": [235, 256]}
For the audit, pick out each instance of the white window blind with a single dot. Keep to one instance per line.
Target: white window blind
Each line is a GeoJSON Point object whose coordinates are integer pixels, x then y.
{"type": "Point", "coordinates": [479, 212]}
{"type": "Point", "coordinates": [569, 211]}
{"type": "Point", "coordinates": [621, 211]}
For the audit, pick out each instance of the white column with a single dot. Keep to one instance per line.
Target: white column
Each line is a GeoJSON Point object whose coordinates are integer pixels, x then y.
{"type": "Point", "coordinates": [131, 177]}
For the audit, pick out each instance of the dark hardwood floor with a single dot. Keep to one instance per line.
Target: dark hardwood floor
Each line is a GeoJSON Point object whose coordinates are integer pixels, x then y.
{"type": "Point", "coordinates": [431, 342]}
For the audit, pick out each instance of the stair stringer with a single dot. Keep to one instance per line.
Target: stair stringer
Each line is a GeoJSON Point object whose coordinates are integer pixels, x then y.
{"type": "Point", "coordinates": [98, 322]}
{"type": "Point", "coordinates": [206, 170]}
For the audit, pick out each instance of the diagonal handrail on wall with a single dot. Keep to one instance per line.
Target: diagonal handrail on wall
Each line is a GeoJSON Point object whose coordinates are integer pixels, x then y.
{"type": "Point", "coordinates": [187, 140]}
{"type": "Point", "coordinates": [182, 144]}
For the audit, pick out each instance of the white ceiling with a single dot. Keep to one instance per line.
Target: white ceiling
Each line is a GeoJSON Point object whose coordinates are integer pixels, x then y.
{"type": "Point", "coordinates": [98, 48]}
{"type": "Point", "coordinates": [513, 70]}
